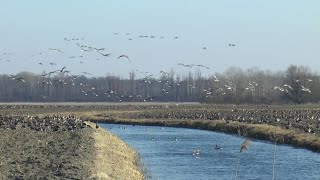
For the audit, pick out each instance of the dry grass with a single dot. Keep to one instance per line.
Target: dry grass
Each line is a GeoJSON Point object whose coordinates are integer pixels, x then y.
{"type": "Point", "coordinates": [114, 159]}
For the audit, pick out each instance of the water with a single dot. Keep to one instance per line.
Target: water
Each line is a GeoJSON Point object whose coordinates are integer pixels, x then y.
{"type": "Point", "coordinates": [167, 154]}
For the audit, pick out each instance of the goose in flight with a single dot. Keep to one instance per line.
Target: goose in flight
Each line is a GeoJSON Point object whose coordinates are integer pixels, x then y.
{"type": "Point", "coordinates": [185, 65]}
{"type": "Point", "coordinates": [279, 88]}
{"type": "Point", "coordinates": [54, 49]}
{"type": "Point", "coordinates": [124, 56]}
{"type": "Point", "coordinates": [200, 65]}
{"type": "Point", "coordinates": [86, 73]}
{"type": "Point", "coordinates": [20, 79]}
{"type": "Point", "coordinates": [105, 55]}
{"type": "Point", "coordinates": [163, 72]}
{"type": "Point", "coordinates": [61, 70]}
{"type": "Point", "coordinates": [286, 85]}
{"type": "Point", "coordinates": [305, 89]}
{"type": "Point", "coordinates": [215, 78]}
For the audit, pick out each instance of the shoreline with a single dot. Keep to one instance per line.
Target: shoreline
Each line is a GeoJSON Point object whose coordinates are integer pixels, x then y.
{"type": "Point", "coordinates": [256, 131]}
{"type": "Point", "coordinates": [114, 159]}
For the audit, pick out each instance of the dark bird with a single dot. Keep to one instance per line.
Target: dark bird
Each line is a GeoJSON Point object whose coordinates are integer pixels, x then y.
{"type": "Point", "coordinates": [100, 49]}
{"type": "Point", "coordinates": [217, 147]}
{"type": "Point", "coordinates": [105, 55]}
{"type": "Point", "coordinates": [124, 56]}
{"type": "Point", "coordinates": [82, 47]}
{"type": "Point", "coordinates": [62, 69]}
{"type": "Point", "coordinates": [186, 65]}
{"type": "Point", "coordinates": [245, 145]}
{"type": "Point", "coordinates": [200, 65]}
{"type": "Point", "coordinates": [54, 49]}
{"type": "Point", "coordinates": [52, 72]}
{"type": "Point", "coordinates": [97, 127]}
{"type": "Point", "coordinates": [86, 73]}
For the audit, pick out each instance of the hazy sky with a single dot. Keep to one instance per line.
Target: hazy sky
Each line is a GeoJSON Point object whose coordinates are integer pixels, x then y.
{"type": "Point", "coordinates": [268, 34]}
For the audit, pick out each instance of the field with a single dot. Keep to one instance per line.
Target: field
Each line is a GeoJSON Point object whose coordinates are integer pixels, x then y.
{"type": "Point", "coordinates": [57, 140]}
{"type": "Point", "coordinates": [40, 142]}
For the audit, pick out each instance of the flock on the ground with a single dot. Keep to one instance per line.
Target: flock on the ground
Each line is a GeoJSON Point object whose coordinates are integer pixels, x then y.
{"type": "Point", "coordinates": [53, 123]}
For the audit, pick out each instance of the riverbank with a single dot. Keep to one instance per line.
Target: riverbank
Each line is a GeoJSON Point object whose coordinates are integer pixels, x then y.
{"type": "Point", "coordinates": [255, 131]}
{"type": "Point", "coordinates": [62, 148]}
{"type": "Point", "coordinates": [113, 158]}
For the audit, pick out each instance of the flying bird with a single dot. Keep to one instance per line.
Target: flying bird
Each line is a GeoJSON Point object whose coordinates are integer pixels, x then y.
{"type": "Point", "coordinates": [54, 49]}
{"type": "Point", "coordinates": [185, 65]}
{"type": "Point", "coordinates": [62, 69]}
{"type": "Point", "coordinates": [86, 73]}
{"type": "Point", "coordinates": [105, 55]}
{"type": "Point", "coordinates": [305, 89]}
{"type": "Point", "coordinates": [200, 65]}
{"type": "Point", "coordinates": [124, 56]}
{"type": "Point", "coordinates": [215, 78]}
{"type": "Point", "coordinates": [20, 79]}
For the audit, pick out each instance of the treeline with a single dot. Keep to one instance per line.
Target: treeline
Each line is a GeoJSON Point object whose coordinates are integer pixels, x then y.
{"type": "Point", "coordinates": [297, 84]}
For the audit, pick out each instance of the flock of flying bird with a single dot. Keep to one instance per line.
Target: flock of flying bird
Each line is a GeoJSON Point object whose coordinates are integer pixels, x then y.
{"type": "Point", "coordinates": [103, 53]}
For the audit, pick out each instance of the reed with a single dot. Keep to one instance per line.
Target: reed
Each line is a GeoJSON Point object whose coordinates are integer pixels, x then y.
{"type": "Point", "coordinates": [274, 154]}
{"type": "Point", "coordinates": [244, 146]}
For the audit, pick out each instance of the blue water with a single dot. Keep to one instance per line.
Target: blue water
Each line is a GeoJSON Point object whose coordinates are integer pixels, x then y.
{"type": "Point", "coordinates": [167, 154]}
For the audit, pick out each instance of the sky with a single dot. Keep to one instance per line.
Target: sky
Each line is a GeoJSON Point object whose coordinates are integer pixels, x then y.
{"type": "Point", "coordinates": [269, 35]}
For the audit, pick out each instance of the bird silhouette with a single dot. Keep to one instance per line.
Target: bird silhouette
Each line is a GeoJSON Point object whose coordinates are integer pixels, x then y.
{"type": "Point", "coordinates": [124, 56]}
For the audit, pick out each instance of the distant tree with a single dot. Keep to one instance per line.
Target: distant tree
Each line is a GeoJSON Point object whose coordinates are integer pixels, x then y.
{"type": "Point", "coordinates": [296, 83]}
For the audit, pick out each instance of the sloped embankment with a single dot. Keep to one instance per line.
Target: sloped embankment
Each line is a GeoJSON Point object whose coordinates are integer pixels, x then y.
{"type": "Point", "coordinates": [113, 158]}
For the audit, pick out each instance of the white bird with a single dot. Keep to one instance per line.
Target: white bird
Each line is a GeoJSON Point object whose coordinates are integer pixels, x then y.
{"type": "Point", "coordinates": [286, 85]}
{"type": "Point", "coordinates": [279, 88]}
{"type": "Point", "coordinates": [215, 78]}
{"type": "Point", "coordinates": [228, 87]}
{"type": "Point", "coordinates": [305, 89]}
